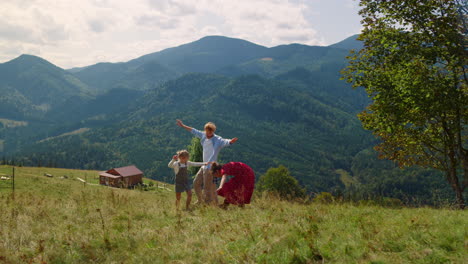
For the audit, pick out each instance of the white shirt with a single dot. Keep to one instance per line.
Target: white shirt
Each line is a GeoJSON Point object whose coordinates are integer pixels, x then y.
{"type": "Point", "coordinates": [208, 149]}
{"type": "Point", "coordinates": [175, 165]}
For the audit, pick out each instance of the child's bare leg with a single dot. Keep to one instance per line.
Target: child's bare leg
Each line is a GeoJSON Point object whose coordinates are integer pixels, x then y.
{"type": "Point", "coordinates": [178, 195]}
{"type": "Point", "coordinates": [189, 199]}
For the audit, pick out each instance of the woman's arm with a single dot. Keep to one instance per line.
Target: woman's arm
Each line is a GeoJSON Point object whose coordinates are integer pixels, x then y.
{"type": "Point", "coordinates": [223, 180]}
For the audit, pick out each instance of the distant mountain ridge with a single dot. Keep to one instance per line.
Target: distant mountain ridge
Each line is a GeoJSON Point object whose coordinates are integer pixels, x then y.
{"type": "Point", "coordinates": [211, 54]}
{"type": "Point", "coordinates": [218, 50]}
{"type": "Point", "coordinates": [349, 43]}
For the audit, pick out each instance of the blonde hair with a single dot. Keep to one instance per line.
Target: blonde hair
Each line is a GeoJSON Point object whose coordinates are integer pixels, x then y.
{"type": "Point", "coordinates": [211, 126]}
{"type": "Point", "coordinates": [183, 153]}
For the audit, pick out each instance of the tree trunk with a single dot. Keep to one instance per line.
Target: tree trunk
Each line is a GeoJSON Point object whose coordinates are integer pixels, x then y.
{"type": "Point", "coordinates": [465, 172]}
{"type": "Point", "coordinates": [462, 152]}
{"type": "Point", "coordinates": [452, 177]}
{"type": "Point", "coordinates": [453, 180]}
{"type": "Point", "coordinates": [460, 200]}
{"type": "Point", "coordinates": [464, 183]}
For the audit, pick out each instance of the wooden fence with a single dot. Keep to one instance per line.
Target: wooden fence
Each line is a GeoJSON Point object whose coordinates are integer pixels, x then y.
{"type": "Point", "coordinates": [7, 178]}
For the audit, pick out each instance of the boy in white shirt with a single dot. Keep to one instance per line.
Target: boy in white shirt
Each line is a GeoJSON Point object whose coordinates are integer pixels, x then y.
{"type": "Point", "coordinates": [212, 145]}
{"type": "Point", "coordinates": [180, 164]}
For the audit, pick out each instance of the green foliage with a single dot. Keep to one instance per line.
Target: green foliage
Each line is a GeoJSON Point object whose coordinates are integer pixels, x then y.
{"type": "Point", "coordinates": [324, 197]}
{"type": "Point", "coordinates": [279, 181]}
{"type": "Point", "coordinates": [196, 153]}
{"type": "Point", "coordinates": [382, 201]}
{"type": "Point", "coordinates": [413, 67]}
{"type": "Point", "coordinates": [414, 186]}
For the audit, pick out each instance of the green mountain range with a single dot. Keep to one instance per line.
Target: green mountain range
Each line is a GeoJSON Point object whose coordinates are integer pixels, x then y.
{"type": "Point", "coordinates": [214, 54]}
{"type": "Point", "coordinates": [31, 86]}
{"type": "Point", "coordinates": [286, 105]}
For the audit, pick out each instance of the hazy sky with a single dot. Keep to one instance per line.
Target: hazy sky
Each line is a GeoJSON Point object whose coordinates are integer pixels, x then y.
{"type": "Point", "coordinates": [72, 33]}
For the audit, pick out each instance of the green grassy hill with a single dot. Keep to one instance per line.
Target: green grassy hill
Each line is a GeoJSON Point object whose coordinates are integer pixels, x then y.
{"type": "Point", "coordinates": [55, 220]}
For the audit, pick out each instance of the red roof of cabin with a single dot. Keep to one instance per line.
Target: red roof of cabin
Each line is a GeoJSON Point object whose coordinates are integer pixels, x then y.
{"type": "Point", "coordinates": [126, 171]}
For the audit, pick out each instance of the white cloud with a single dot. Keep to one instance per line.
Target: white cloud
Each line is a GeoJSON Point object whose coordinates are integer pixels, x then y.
{"type": "Point", "coordinates": [265, 22]}
{"type": "Point", "coordinates": [160, 21]}
{"type": "Point", "coordinates": [174, 7]}
{"type": "Point", "coordinates": [97, 25]}
{"type": "Point", "coordinates": [16, 32]}
{"type": "Point", "coordinates": [79, 33]}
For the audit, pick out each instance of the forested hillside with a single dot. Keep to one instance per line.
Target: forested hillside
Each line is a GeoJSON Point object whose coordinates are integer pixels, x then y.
{"type": "Point", "coordinates": [286, 105]}
{"type": "Point", "coordinates": [31, 86]}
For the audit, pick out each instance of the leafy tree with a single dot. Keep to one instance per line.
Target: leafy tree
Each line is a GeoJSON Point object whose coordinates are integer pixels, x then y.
{"type": "Point", "coordinates": [196, 153]}
{"type": "Point", "coordinates": [413, 67]}
{"type": "Point", "coordinates": [279, 180]}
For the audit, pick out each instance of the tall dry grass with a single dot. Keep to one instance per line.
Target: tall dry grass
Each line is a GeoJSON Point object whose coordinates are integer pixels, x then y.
{"type": "Point", "coordinates": [52, 220]}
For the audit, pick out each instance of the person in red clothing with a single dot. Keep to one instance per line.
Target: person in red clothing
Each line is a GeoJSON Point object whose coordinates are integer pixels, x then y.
{"type": "Point", "coordinates": [238, 190]}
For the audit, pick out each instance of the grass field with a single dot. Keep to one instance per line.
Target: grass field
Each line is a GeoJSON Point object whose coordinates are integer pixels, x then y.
{"type": "Point", "coordinates": [54, 220]}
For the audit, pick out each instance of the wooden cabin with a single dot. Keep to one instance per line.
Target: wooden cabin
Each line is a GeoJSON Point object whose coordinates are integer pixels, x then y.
{"type": "Point", "coordinates": [125, 177]}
